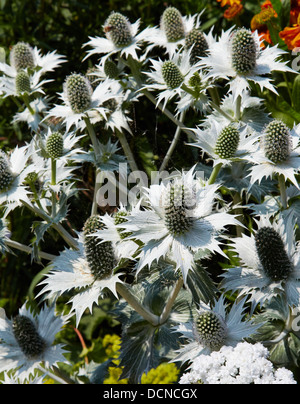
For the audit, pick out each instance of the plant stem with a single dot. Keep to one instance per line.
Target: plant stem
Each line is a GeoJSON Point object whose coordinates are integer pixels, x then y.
{"type": "Point", "coordinates": [167, 310]}
{"type": "Point", "coordinates": [136, 305]}
{"type": "Point", "coordinates": [53, 182]}
{"type": "Point", "coordinates": [214, 174]}
{"type": "Point", "coordinates": [93, 136]}
{"type": "Point", "coordinates": [238, 108]}
{"type": "Point", "coordinates": [58, 378]}
{"type": "Point", "coordinates": [27, 103]}
{"type": "Point", "coordinates": [28, 250]}
{"type": "Point", "coordinates": [167, 113]}
{"type": "Point", "coordinates": [57, 226]}
{"type": "Point", "coordinates": [97, 187]}
{"type": "Point", "coordinates": [173, 144]}
{"type": "Point", "coordinates": [218, 109]}
{"type": "Point", "coordinates": [283, 195]}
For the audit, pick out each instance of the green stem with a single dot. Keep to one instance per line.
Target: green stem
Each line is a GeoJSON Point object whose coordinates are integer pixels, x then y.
{"type": "Point", "coordinates": [218, 109]}
{"type": "Point", "coordinates": [214, 94]}
{"type": "Point", "coordinates": [57, 226]}
{"type": "Point", "coordinates": [97, 187]}
{"type": "Point", "coordinates": [25, 98]}
{"type": "Point", "coordinates": [283, 195]}
{"type": "Point", "coordinates": [238, 108]}
{"type": "Point", "coordinates": [28, 250]}
{"type": "Point", "coordinates": [173, 144]}
{"type": "Point", "coordinates": [136, 305]}
{"type": "Point", "coordinates": [93, 136]}
{"type": "Point", "coordinates": [214, 174]}
{"type": "Point", "coordinates": [167, 310]}
{"type": "Point", "coordinates": [53, 182]}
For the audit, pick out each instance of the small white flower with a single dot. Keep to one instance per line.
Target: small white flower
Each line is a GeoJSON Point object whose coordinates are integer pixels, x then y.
{"type": "Point", "coordinates": [243, 364]}
{"type": "Point", "coordinates": [214, 328]}
{"type": "Point", "coordinates": [238, 57]}
{"type": "Point", "coordinates": [180, 220]}
{"type": "Point", "coordinates": [72, 271]}
{"type": "Point", "coordinates": [27, 341]}
{"type": "Point", "coordinates": [270, 263]}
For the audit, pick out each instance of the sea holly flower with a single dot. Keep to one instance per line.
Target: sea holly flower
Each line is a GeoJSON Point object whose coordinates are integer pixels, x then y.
{"type": "Point", "coordinates": [13, 171]}
{"type": "Point", "coordinates": [177, 31]}
{"type": "Point", "coordinates": [238, 57]}
{"type": "Point", "coordinates": [224, 144]}
{"type": "Point", "coordinates": [177, 78]}
{"type": "Point", "coordinates": [80, 101]}
{"type": "Point", "coordinates": [180, 220]}
{"type": "Point", "coordinates": [90, 270]}
{"type": "Point", "coordinates": [27, 341]}
{"type": "Point", "coordinates": [270, 263]}
{"type": "Point", "coordinates": [121, 37]}
{"type": "Point", "coordinates": [213, 328]}
{"type": "Point", "coordinates": [27, 66]}
{"type": "Point", "coordinates": [276, 153]}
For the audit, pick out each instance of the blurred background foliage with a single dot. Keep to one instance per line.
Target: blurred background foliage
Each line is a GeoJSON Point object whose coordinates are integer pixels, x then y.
{"type": "Point", "coordinates": [65, 26]}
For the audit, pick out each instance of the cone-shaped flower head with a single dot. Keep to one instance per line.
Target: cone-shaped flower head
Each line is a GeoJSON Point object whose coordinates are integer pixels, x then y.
{"type": "Point", "coordinates": [6, 176]}
{"type": "Point", "coordinates": [120, 218]}
{"type": "Point", "coordinates": [22, 83]}
{"type": "Point", "coordinates": [171, 74]}
{"type": "Point", "coordinates": [22, 57]}
{"type": "Point", "coordinates": [244, 51]}
{"type": "Point", "coordinates": [196, 40]}
{"type": "Point", "coordinates": [178, 203]}
{"type": "Point", "coordinates": [111, 69]}
{"type": "Point", "coordinates": [100, 256]}
{"type": "Point", "coordinates": [55, 145]}
{"type": "Point", "coordinates": [277, 142]}
{"type": "Point", "coordinates": [117, 29]}
{"type": "Point", "coordinates": [227, 142]}
{"type": "Point", "coordinates": [79, 92]}
{"type": "Point", "coordinates": [272, 254]}
{"type": "Point", "coordinates": [210, 330]}
{"type": "Point", "coordinates": [27, 336]}
{"type": "Point", "coordinates": [172, 24]}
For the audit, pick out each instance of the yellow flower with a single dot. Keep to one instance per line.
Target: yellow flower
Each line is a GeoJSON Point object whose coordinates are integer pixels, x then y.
{"type": "Point", "coordinates": [166, 373]}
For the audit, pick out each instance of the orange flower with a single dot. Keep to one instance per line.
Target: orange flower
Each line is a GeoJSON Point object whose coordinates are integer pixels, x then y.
{"type": "Point", "coordinates": [233, 11]}
{"type": "Point", "coordinates": [229, 2]}
{"type": "Point", "coordinates": [291, 36]}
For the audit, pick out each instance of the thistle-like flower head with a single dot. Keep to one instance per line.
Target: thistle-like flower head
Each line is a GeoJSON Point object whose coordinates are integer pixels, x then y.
{"type": "Point", "coordinates": [22, 56]}
{"type": "Point", "coordinates": [117, 29]}
{"type": "Point", "coordinates": [78, 91]}
{"type": "Point", "coordinates": [172, 24]}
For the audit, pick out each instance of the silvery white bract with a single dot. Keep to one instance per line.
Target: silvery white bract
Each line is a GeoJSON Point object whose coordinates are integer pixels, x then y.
{"type": "Point", "coordinates": [179, 220]}
{"type": "Point", "coordinates": [270, 263]}
{"type": "Point", "coordinates": [27, 341]}
{"type": "Point", "coordinates": [221, 64]}
{"type": "Point", "coordinates": [213, 328]}
{"type": "Point", "coordinates": [70, 271]}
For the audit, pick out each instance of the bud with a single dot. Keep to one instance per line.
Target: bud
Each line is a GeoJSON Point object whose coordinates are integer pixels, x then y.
{"type": "Point", "coordinates": [272, 254]}
{"type": "Point", "coordinates": [111, 69]}
{"type": "Point", "coordinates": [119, 218]}
{"type": "Point", "coordinates": [195, 39]}
{"type": "Point", "coordinates": [78, 92]}
{"type": "Point", "coordinates": [171, 74]}
{"type": "Point", "coordinates": [6, 176]}
{"type": "Point", "coordinates": [55, 145]}
{"type": "Point", "coordinates": [117, 29]}
{"type": "Point", "coordinates": [27, 336]}
{"type": "Point", "coordinates": [277, 142]}
{"type": "Point", "coordinates": [210, 330]}
{"type": "Point", "coordinates": [21, 56]}
{"type": "Point", "coordinates": [227, 142]}
{"type": "Point", "coordinates": [22, 83]}
{"type": "Point", "coordinates": [100, 256]}
{"type": "Point", "coordinates": [172, 24]}
{"type": "Point", "coordinates": [178, 205]}
{"type": "Point", "coordinates": [244, 51]}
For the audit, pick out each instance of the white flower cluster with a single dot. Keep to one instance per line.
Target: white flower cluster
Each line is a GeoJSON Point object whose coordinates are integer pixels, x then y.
{"type": "Point", "coordinates": [244, 364]}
